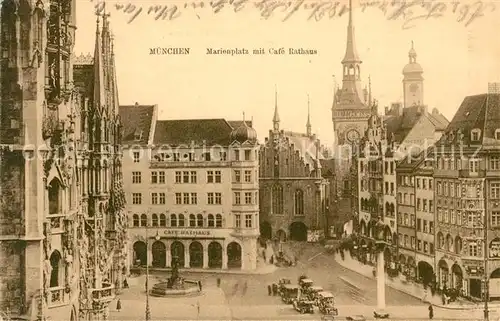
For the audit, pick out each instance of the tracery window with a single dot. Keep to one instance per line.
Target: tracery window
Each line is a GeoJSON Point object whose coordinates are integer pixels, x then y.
{"type": "Point", "coordinates": [277, 199]}
{"type": "Point", "coordinates": [299, 202]}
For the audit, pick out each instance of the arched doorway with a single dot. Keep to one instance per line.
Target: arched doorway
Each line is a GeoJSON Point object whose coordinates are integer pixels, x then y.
{"type": "Point", "coordinates": [495, 284]}
{"type": "Point", "coordinates": [195, 255]}
{"type": "Point", "coordinates": [56, 272]}
{"type": "Point", "coordinates": [159, 254]}
{"type": "Point", "coordinates": [214, 255]}
{"type": "Point", "coordinates": [425, 272]}
{"type": "Point", "coordinates": [456, 277]}
{"type": "Point", "coordinates": [266, 230]}
{"type": "Point", "coordinates": [177, 253]}
{"type": "Point", "coordinates": [298, 232]}
{"type": "Point", "coordinates": [234, 255]}
{"type": "Point", "coordinates": [443, 272]}
{"type": "Point", "coordinates": [281, 236]}
{"type": "Point", "coordinates": [140, 253]}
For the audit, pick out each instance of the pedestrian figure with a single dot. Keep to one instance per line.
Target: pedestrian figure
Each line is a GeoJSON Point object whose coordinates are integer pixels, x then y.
{"type": "Point", "coordinates": [118, 305]}
{"type": "Point", "coordinates": [431, 312]}
{"type": "Point", "coordinates": [198, 308]}
{"type": "Point", "coordinates": [443, 299]}
{"type": "Point", "coordinates": [269, 290]}
{"type": "Point", "coordinates": [199, 285]}
{"type": "Point", "coordinates": [245, 288]}
{"type": "Point", "coordinates": [218, 282]}
{"type": "Point", "coordinates": [125, 284]}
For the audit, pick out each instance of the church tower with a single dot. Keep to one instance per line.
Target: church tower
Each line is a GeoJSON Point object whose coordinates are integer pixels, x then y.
{"type": "Point", "coordinates": [350, 110]}
{"type": "Point", "coordinates": [413, 81]}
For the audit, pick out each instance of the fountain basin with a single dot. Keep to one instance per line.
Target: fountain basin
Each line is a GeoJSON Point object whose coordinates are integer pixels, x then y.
{"type": "Point", "coordinates": [189, 288]}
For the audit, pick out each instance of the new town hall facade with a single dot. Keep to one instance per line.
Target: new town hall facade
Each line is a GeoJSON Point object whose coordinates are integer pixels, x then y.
{"type": "Point", "coordinates": [62, 226]}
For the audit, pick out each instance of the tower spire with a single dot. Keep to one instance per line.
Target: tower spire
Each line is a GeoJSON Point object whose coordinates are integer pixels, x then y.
{"type": "Point", "coordinates": [308, 124]}
{"type": "Point", "coordinates": [369, 90]}
{"type": "Point", "coordinates": [351, 53]}
{"type": "Point", "coordinates": [276, 117]}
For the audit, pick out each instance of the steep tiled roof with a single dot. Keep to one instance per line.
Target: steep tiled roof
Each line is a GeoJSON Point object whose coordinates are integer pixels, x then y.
{"type": "Point", "coordinates": [479, 111]}
{"type": "Point", "coordinates": [197, 131]}
{"type": "Point", "coordinates": [237, 123]}
{"type": "Point", "coordinates": [136, 119]}
{"type": "Point", "coordinates": [401, 125]}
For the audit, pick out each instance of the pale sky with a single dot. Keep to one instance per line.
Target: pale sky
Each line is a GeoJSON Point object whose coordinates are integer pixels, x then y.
{"type": "Point", "coordinates": [457, 61]}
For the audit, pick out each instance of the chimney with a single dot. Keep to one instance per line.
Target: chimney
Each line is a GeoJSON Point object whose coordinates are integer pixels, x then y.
{"type": "Point", "coordinates": [386, 110]}
{"type": "Point", "coordinates": [136, 103]}
{"type": "Point", "coordinates": [493, 88]}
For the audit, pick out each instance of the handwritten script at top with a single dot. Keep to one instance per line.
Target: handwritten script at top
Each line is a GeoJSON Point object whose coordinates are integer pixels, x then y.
{"type": "Point", "coordinates": [409, 11]}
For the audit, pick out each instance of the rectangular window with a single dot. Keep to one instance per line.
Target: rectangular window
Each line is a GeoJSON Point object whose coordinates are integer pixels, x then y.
{"type": "Point", "coordinates": [495, 218]}
{"type": "Point", "coordinates": [210, 176]}
{"type": "Point", "coordinates": [419, 225]}
{"type": "Point", "coordinates": [210, 198]}
{"type": "Point", "coordinates": [419, 205]}
{"type": "Point", "coordinates": [185, 198]}
{"type": "Point", "coordinates": [237, 176]}
{"type": "Point", "coordinates": [237, 155]}
{"type": "Point", "coordinates": [439, 188]}
{"type": "Point", "coordinates": [459, 218]}
{"type": "Point", "coordinates": [248, 198]}
{"type": "Point", "coordinates": [223, 156]}
{"type": "Point", "coordinates": [191, 157]}
{"type": "Point", "coordinates": [154, 198]}
{"type": "Point", "coordinates": [136, 156]}
{"type": "Point", "coordinates": [426, 247]}
{"type": "Point", "coordinates": [247, 155]}
{"type": "Point", "coordinates": [473, 249]}
{"type": "Point", "coordinates": [161, 177]}
{"type": "Point", "coordinates": [248, 220]}
{"type": "Point", "coordinates": [154, 177]}
{"type": "Point", "coordinates": [473, 165]}
{"type": "Point", "coordinates": [431, 206]}
{"type": "Point", "coordinates": [413, 242]}
{"type": "Point", "coordinates": [237, 220]}
{"type": "Point", "coordinates": [218, 177]}
{"type": "Point", "coordinates": [194, 198]}
{"type": "Point", "coordinates": [136, 198]}
{"type": "Point", "coordinates": [425, 228]}
{"type": "Point", "coordinates": [431, 248]}
{"type": "Point", "coordinates": [248, 176]}
{"type": "Point", "coordinates": [495, 163]}
{"type": "Point", "coordinates": [207, 156]}
{"type": "Point", "coordinates": [218, 198]}
{"type": "Point", "coordinates": [419, 245]}
{"type": "Point", "coordinates": [392, 188]}
{"type": "Point", "coordinates": [392, 167]}
{"type": "Point", "coordinates": [178, 198]}
{"type": "Point", "coordinates": [418, 182]}
{"type": "Point", "coordinates": [237, 198]}
{"type": "Point", "coordinates": [495, 190]}
{"type": "Point", "coordinates": [424, 183]}
{"type": "Point", "coordinates": [162, 198]}
{"type": "Point", "coordinates": [185, 177]}
{"type": "Point", "coordinates": [386, 188]}
{"type": "Point", "coordinates": [431, 227]}
{"type": "Point", "coordinates": [136, 177]}
{"type": "Point", "coordinates": [193, 177]}
{"type": "Point", "coordinates": [177, 157]}
{"type": "Point", "coordinates": [178, 177]}
{"type": "Point", "coordinates": [430, 183]}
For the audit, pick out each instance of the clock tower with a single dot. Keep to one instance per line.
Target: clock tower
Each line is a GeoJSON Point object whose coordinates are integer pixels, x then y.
{"type": "Point", "coordinates": [413, 81]}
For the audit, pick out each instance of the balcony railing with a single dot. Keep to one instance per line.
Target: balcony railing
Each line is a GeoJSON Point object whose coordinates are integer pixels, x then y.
{"type": "Point", "coordinates": [56, 296]}
{"type": "Point", "coordinates": [104, 294]}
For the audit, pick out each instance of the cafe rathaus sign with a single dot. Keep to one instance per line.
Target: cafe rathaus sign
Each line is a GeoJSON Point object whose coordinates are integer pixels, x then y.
{"type": "Point", "coordinates": [183, 232]}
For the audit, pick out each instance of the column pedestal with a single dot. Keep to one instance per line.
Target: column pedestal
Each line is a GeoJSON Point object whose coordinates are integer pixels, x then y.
{"type": "Point", "coordinates": [186, 257]}
{"type": "Point", "coordinates": [205, 258]}
{"type": "Point", "coordinates": [380, 283]}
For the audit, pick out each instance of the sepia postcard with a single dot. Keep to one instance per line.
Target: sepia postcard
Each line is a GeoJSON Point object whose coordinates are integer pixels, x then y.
{"type": "Point", "coordinates": [249, 160]}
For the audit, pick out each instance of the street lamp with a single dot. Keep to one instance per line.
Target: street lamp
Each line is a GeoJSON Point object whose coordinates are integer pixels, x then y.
{"type": "Point", "coordinates": [148, 311]}
{"type": "Point", "coordinates": [484, 225]}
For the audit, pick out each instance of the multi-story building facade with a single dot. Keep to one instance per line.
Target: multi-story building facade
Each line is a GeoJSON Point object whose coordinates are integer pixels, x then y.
{"type": "Point", "coordinates": [467, 197]}
{"type": "Point", "coordinates": [62, 199]}
{"type": "Point", "coordinates": [350, 113]}
{"type": "Point", "coordinates": [404, 132]}
{"type": "Point", "coordinates": [192, 189]}
{"type": "Point", "coordinates": [294, 196]}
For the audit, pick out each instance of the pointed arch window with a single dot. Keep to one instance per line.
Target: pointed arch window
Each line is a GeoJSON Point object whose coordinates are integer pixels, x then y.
{"type": "Point", "coordinates": [277, 199]}
{"type": "Point", "coordinates": [56, 269]}
{"type": "Point", "coordinates": [55, 199]}
{"type": "Point", "coordinates": [24, 32]}
{"type": "Point", "coordinates": [299, 202]}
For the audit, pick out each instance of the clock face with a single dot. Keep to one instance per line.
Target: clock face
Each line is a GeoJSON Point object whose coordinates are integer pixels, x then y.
{"type": "Point", "coordinates": [413, 88]}
{"type": "Point", "coordinates": [352, 135]}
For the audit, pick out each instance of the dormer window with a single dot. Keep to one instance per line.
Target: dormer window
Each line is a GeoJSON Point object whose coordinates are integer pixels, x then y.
{"type": "Point", "coordinates": [497, 134]}
{"type": "Point", "coordinates": [475, 134]}
{"type": "Point", "coordinates": [138, 134]}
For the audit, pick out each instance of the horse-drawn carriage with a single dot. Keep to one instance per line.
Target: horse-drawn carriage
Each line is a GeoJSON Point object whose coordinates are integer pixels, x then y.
{"type": "Point", "coordinates": [303, 306]}
{"type": "Point", "coordinates": [312, 292]}
{"type": "Point", "coordinates": [281, 284]}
